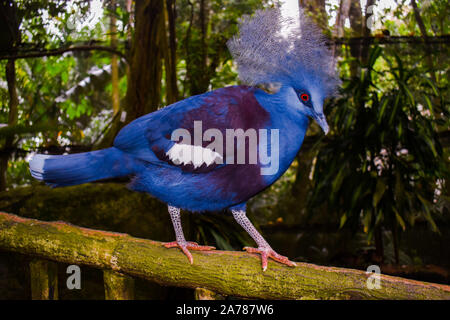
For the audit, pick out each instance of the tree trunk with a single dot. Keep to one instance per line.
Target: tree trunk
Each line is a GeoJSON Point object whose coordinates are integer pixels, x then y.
{"type": "Point", "coordinates": [170, 58]}
{"type": "Point", "coordinates": [144, 86]}
{"type": "Point", "coordinates": [366, 32]}
{"type": "Point", "coordinates": [144, 78]}
{"type": "Point", "coordinates": [10, 38]}
{"type": "Point", "coordinates": [356, 23]}
{"type": "Point", "coordinates": [114, 61]}
{"type": "Point", "coordinates": [379, 248]}
{"type": "Point", "coordinates": [342, 15]}
{"type": "Point", "coordinates": [395, 238]}
{"type": "Point", "coordinates": [12, 120]}
{"type": "Point", "coordinates": [317, 11]}
{"type": "Point", "coordinates": [423, 31]}
{"type": "Point", "coordinates": [197, 52]}
{"type": "Point", "coordinates": [350, 10]}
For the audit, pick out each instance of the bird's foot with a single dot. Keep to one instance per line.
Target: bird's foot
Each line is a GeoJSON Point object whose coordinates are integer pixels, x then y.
{"type": "Point", "coordinates": [268, 252]}
{"type": "Point", "coordinates": [185, 245]}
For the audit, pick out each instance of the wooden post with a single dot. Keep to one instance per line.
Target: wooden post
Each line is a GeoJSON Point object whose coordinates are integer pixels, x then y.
{"type": "Point", "coordinates": [205, 294]}
{"type": "Point", "coordinates": [118, 286]}
{"type": "Point", "coordinates": [44, 280]}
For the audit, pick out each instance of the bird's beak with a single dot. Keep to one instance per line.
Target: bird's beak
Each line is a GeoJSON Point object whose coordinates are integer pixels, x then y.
{"type": "Point", "coordinates": [322, 121]}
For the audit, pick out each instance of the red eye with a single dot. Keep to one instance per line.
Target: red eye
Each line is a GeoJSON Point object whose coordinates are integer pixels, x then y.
{"type": "Point", "coordinates": [304, 97]}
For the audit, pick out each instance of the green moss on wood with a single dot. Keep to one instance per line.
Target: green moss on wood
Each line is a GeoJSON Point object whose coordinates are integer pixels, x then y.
{"type": "Point", "coordinates": [118, 286]}
{"type": "Point", "coordinates": [205, 294]}
{"type": "Point", "coordinates": [224, 272]}
{"type": "Point", "coordinates": [44, 280]}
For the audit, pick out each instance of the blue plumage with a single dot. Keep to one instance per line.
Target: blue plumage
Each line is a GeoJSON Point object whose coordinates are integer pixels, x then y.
{"type": "Point", "coordinates": [173, 171]}
{"type": "Point", "coordinates": [233, 183]}
{"type": "Point", "coordinates": [73, 169]}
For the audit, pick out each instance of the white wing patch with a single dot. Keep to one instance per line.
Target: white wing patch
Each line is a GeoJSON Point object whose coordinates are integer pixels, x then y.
{"type": "Point", "coordinates": [197, 155]}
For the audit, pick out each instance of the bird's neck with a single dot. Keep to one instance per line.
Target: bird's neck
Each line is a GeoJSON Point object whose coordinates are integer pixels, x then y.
{"type": "Point", "coordinates": [285, 116]}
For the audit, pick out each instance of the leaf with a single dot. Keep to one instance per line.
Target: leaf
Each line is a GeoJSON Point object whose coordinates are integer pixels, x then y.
{"type": "Point", "coordinates": [369, 130]}
{"type": "Point", "coordinates": [429, 104]}
{"type": "Point", "coordinates": [379, 192]}
{"type": "Point", "coordinates": [399, 219]}
{"type": "Point", "coordinates": [356, 195]}
{"type": "Point", "coordinates": [374, 54]}
{"type": "Point", "coordinates": [409, 94]}
{"type": "Point", "coordinates": [384, 103]}
{"type": "Point", "coordinates": [431, 84]}
{"type": "Point", "coordinates": [343, 220]}
{"type": "Point", "coordinates": [64, 76]}
{"type": "Point", "coordinates": [431, 145]}
{"type": "Point", "coordinates": [379, 217]}
{"type": "Point", "coordinates": [426, 205]}
{"type": "Point", "coordinates": [400, 66]}
{"type": "Point", "coordinates": [338, 180]}
{"type": "Point", "coordinates": [399, 189]}
{"type": "Point", "coordinates": [394, 112]}
{"type": "Point", "coordinates": [221, 242]}
{"type": "Point", "coordinates": [367, 219]}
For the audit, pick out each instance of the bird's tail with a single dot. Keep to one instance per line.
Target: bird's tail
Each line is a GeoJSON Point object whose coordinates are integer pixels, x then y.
{"type": "Point", "coordinates": [73, 169]}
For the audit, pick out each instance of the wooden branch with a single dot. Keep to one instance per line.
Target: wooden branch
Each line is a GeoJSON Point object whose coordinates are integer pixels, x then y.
{"type": "Point", "coordinates": [390, 40]}
{"type": "Point", "coordinates": [20, 53]}
{"type": "Point", "coordinates": [60, 51]}
{"type": "Point", "coordinates": [21, 129]}
{"type": "Point", "coordinates": [224, 272]}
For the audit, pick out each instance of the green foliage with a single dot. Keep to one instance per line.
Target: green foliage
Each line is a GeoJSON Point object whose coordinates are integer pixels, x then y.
{"type": "Point", "coordinates": [383, 163]}
{"type": "Point", "coordinates": [61, 98]}
{"type": "Point", "coordinates": [202, 42]}
{"type": "Point", "coordinates": [18, 173]}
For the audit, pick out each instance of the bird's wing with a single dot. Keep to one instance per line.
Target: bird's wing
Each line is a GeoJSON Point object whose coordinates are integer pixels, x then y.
{"type": "Point", "coordinates": [149, 137]}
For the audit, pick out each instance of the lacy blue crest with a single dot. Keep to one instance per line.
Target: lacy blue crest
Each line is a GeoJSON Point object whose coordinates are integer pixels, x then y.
{"type": "Point", "coordinates": [271, 48]}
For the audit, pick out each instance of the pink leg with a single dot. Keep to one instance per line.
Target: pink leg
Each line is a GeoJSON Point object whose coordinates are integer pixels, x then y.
{"type": "Point", "coordinates": [181, 241]}
{"type": "Point", "coordinates": [264, 248]}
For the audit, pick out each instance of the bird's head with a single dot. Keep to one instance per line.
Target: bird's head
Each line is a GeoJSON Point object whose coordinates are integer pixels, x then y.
{"type": "Point", "coordinates": [290, 52]}
{"type": "Point", "coordinates": [311, 105]}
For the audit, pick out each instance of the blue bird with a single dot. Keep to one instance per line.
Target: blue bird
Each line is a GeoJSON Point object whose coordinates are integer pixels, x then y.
{"type": "Point", "coordinates": [244, 137]}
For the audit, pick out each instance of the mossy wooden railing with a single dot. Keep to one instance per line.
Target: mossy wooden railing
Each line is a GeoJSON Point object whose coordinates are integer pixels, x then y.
{"type": "Point", "coordinates": [217, 273]}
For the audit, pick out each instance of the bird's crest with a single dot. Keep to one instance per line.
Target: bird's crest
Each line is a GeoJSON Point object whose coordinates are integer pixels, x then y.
{"type": "Point", "coordinates": [271, 48]}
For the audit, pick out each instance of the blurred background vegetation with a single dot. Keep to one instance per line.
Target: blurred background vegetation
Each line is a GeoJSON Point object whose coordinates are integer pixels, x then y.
{"type": "Point", "coordinates": [373, 191]}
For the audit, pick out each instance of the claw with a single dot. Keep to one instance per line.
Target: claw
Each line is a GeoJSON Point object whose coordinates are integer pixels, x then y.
{"type": "Point", "coordinates": [184, 246]}
{"type": "Point", "coordinates": [269, 253]}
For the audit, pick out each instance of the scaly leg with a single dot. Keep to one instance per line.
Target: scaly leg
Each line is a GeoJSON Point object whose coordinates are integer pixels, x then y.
{"type": "Point", "coordinates": [181, 241]}
{"type": "Point", "coordinates": [263, 247]}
